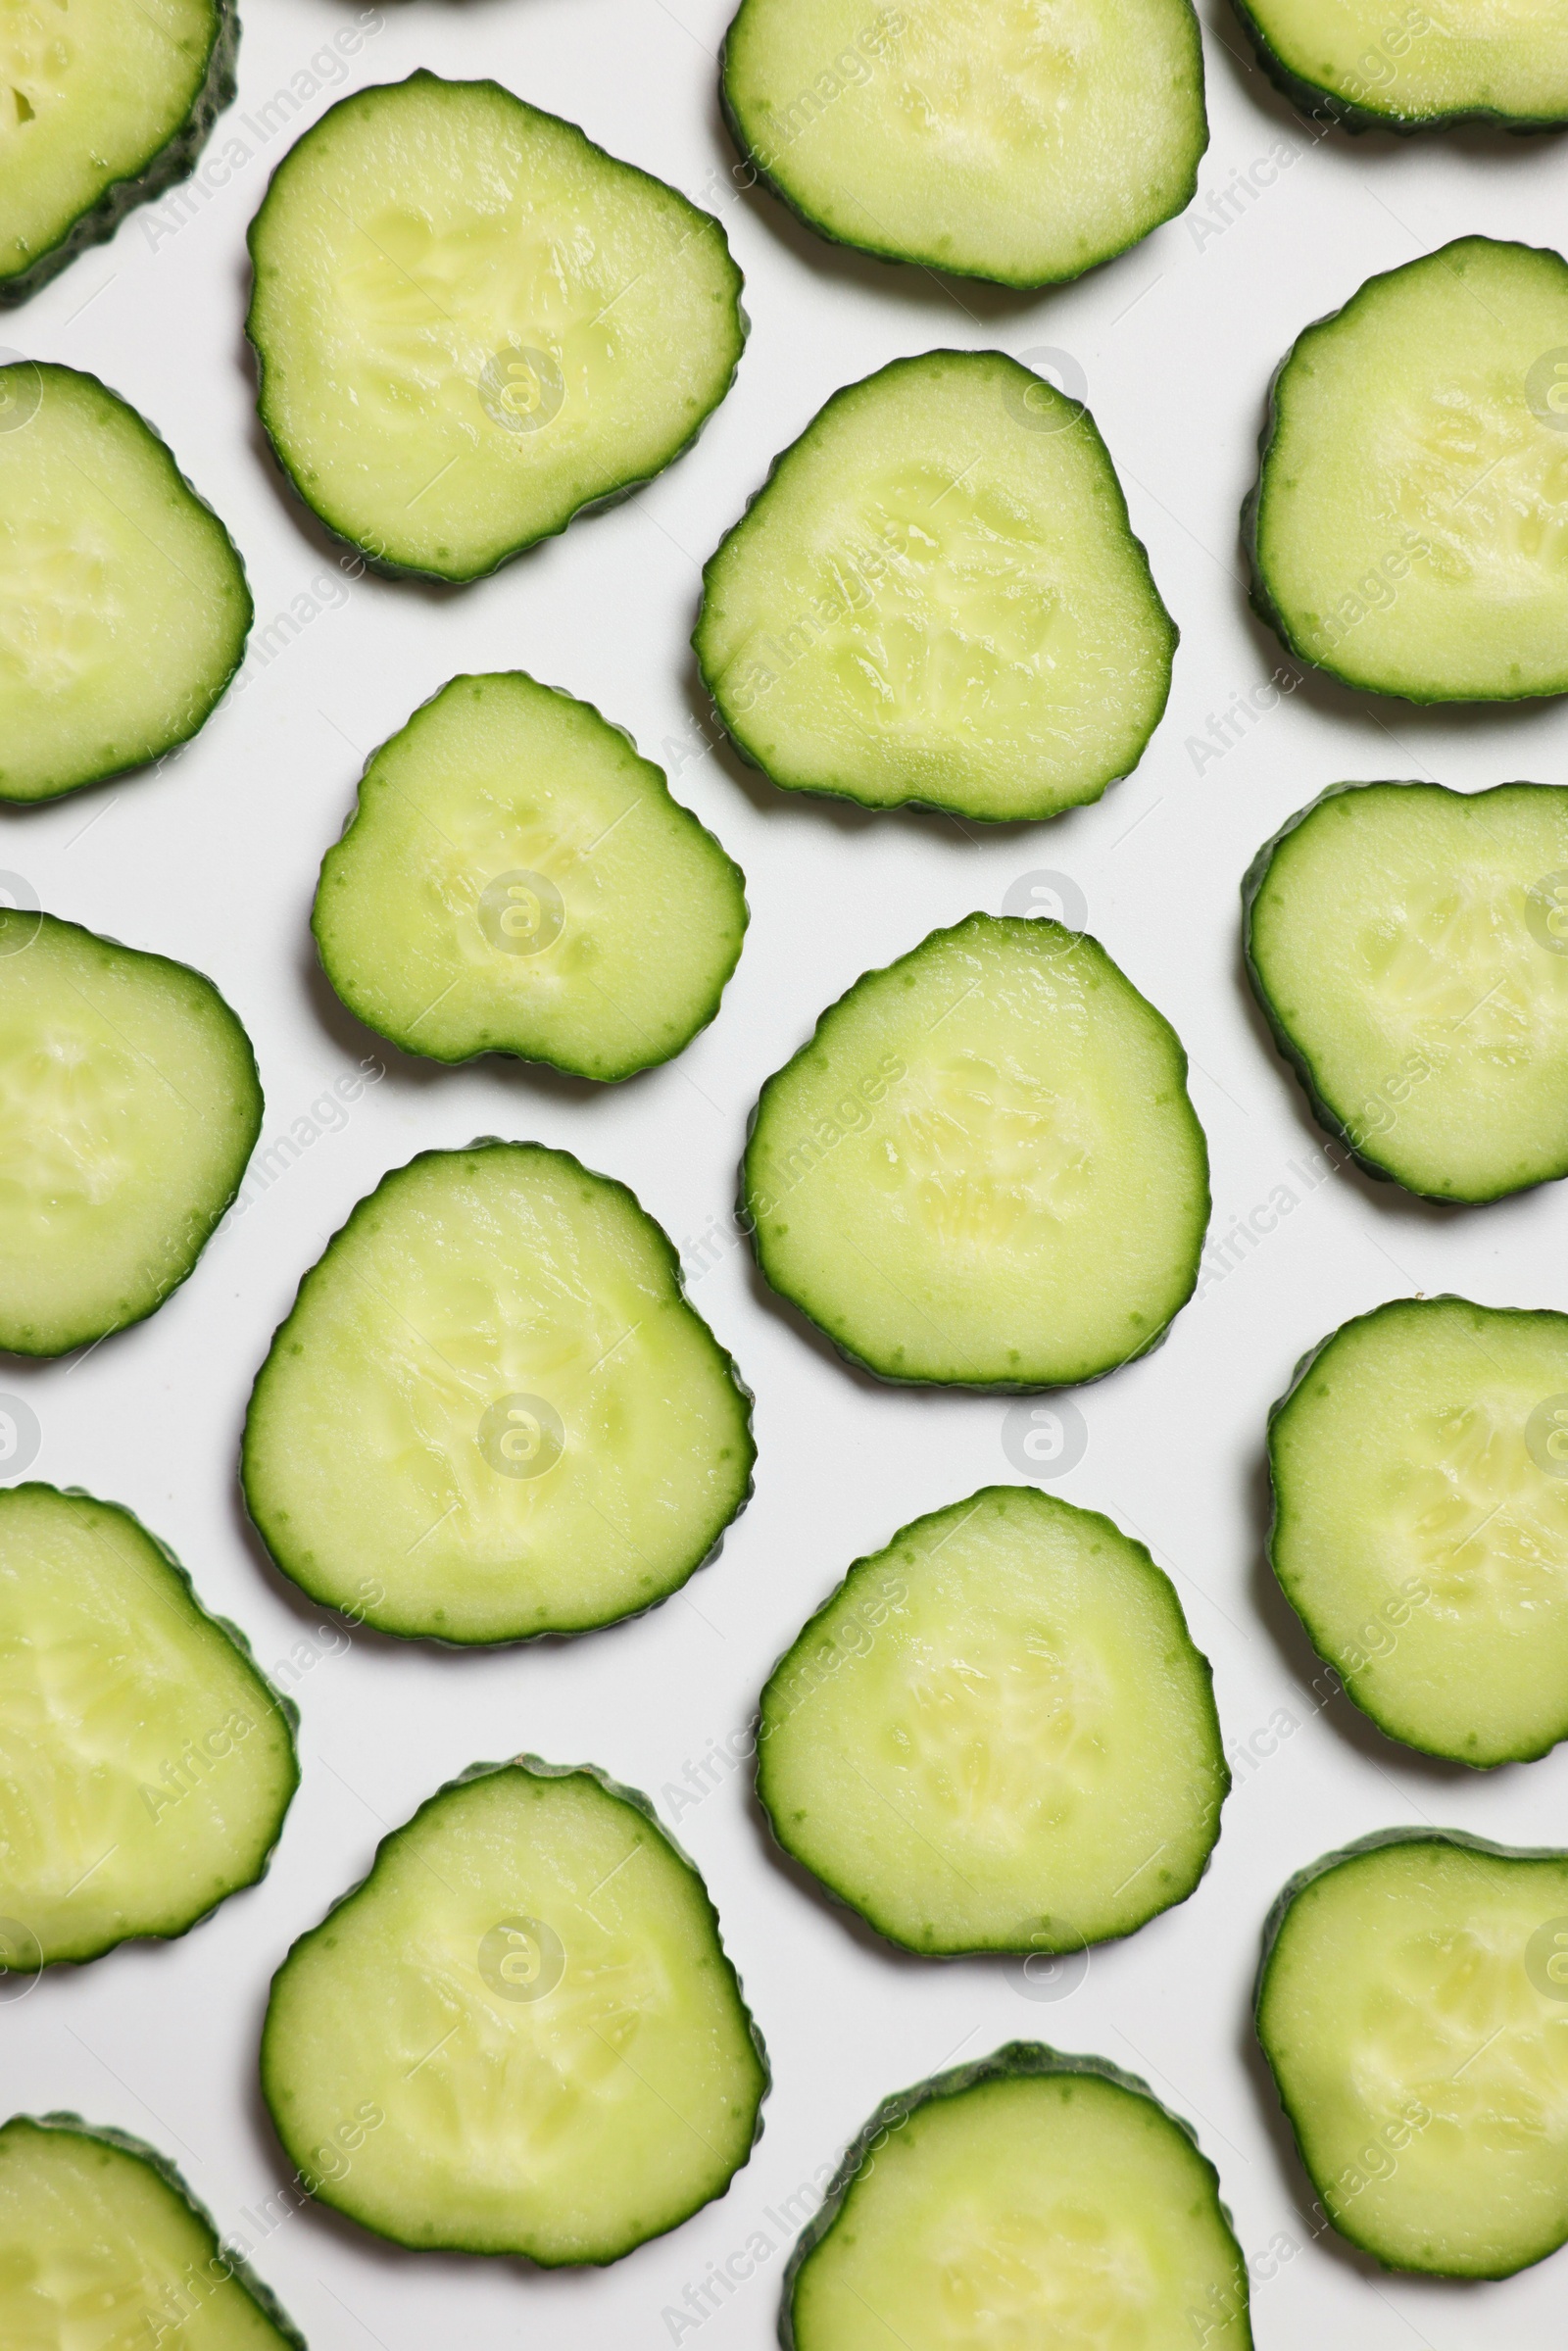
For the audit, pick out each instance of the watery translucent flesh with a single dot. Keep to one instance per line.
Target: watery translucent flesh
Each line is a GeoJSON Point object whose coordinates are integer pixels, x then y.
{"type": "Point", "coordinates": [1413, 531]}
{"type": "Point", "coordinates": [530, 1990]}
{"type": "Point", "coordinates": [1061, 2210]}
{"type": "Point", "coordinates": [1419, 1980]}
{"type": "Point", "coordinates": [482, 1314]}
{"type": "Point", "coordinates": [984, 1168]}
{"type": "Point", "coordinates": [144, 1765]}
{"type": "Point", "coordinates": [1411, 942]}
{"type": "Point", "coordinates": [1023, 140]}
{"type": "Point", "coordinates": [128, 1107]}
{"type": "Point", "coordinates": [122, 603]}
{"type": "Point", "coordinates": [89, 91]}
{"type": "Point", "coordinates": [97, 2253]}
{"type": "Point", "coordinates": [518, 878]}
{"type": "Point", "coordinates": [1423, 1522]}
{"type": "Point", "coordinates": [937, 596]}
{"type": "Point", "coordinates": [472, 322]}
{"type": "Point", "coordinates": [999, 1734]}
{"type": "Point", "coordinates": [1443, 57]}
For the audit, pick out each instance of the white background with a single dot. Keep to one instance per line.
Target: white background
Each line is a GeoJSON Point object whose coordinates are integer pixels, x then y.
{"type": "Point", "coordinates": [215, 861]}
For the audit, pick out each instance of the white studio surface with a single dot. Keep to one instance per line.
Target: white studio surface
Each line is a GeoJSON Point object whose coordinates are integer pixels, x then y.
{"type": "Point", "coordinates": [214, 860]}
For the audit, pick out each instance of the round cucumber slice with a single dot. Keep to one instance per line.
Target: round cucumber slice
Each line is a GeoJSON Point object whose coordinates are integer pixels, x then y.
{"type": "Point", "coordinates": [493, 1409]}
{"type": "Point", "coordinates": [102, 2243]}
{"type": "Point", "coordinates": [1410, 946]}
{"type": "Point", "coordinates": [471, 321]}
{"type": "Point", "coordinates": [1005, 145]}
{"type": "Point", "coordinates": [1410, 2006]}
{"type": "Point", "coordinates": [1031, 2197]}
{"type": "Point", "coordinates": [100, 109]}
{"type": "Point", "coordinates": [983, 1170]}
{"type": "Point", "coordinates": [1411, 66]}
{"type": "Point", "coordinates": [515, 879]}
{"type": "Point", "coordinates": [998, 1735]}
{"type": "Point", "coordinates": [123, 608]}
{"type": "Point", "coordinates": [1404, 525]}
{"type": "Point", "coordinates": [145, 1764]}
{"type": "Point", "coordinates": [1420, 1471]}
{"type": "Point", "coordinates": [530, 1992]}
{"type": "Point", "coordinates": [937, 598]}
{"type": "Point", "coordinates": [129, 1103]}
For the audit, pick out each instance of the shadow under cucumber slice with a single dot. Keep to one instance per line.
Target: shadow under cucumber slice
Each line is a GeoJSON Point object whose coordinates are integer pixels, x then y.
{"type": "Point", "coordinates": [516, 879]}
{"type": "Point", "coordinates": [998, 1735]}
{"type": "Point", "coordinates": [492, 1412]}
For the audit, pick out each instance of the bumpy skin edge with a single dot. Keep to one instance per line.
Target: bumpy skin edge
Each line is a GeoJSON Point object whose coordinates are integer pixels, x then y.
{"type": "Point", "coordinates": [1278, 1514]}
{"type": "Point", "coordinates": [598, 1077]}
{"type": "Point", "coordinates": [1259, 594]}
{"type": "Point", "coordinates": [154, 759]}
{"type": "Point", "coordinates": [176, 160]}
{"type": "Point", "coordinates": [748, 1222]}
{"type": "Point", "coordinates": [725, 1359]}
{"type": "Point", "coordinates": [1016, 2060]}
{"type": "Point", "coordinates": [869, 1559]}
{"type": "Point", "coordinates": [234, 2263]}
{"type": "Point", "coordinates": [1273, 1927]}
{"type": "Point", "coordinates": [941, 807]}
{"type": "Point", "coordinates": [276, 1701]}
{"type": "Point", "coordinates": [1320, 104]}
{"type": "Point", "coordinates": [633, 1797]}
{"type": "Point", "coordinates": [917, 261]}
{"type": "Point", "coordinates": [388, 566]}
{"type": "Point", "coordinates": [221, 1207]}
{"type": "Point", "coordinates": [1253, 884]}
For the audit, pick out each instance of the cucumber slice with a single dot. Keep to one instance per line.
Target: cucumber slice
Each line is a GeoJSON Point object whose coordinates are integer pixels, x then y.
{"type": "Point", "coordinates": [123, 608]}
{"type": "Point", "coordinates": [1031, 2198]}
{"type": "Point", "coordinates": [530, 1988]}
{"type": "Point", "coordinates": [129, 1103]}
{"type": "Point", "coordinates": [100, 109]}
{"type": "Point", "coordinates": [471, 321]}
{"type": "Point", "coordinates": [515, 879]}
{"type": "Point", "coordinates": [145, 1764]}
{"type": "Point", "coordinates": [1421, 1522]}
{"type": "Point", "coordinates": [1410, 2006]}
{"type": "Point", "coordinates": [937, 598]}
{"type": "Point", "coordinates": [983, 1170]}
{"type": "Point", "coordinates": [493, 1407]}
{"type": "Point", "coordinates": [1403, 528]}
{"type": "Point", "coordinates": [998, 1735]}
{"type": "Point", "coordinates": [1404, 943]}
{"type": "Point", "coordinates": [1413, 67]}
{"type": "Point", "coordinates": [102, 2246]}
{"type": "Point", "coordinates": [1013, 146]}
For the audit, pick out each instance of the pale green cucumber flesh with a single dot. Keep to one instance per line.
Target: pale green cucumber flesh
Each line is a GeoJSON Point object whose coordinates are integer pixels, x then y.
{"type": "Point", "coordinates": [123, 608]}
{"type": "Point", "coordinates": [129, 1105]}
{"type": "Point", "coordinates": [102, 2245]}
{"type": "Point", "coordinates": [937, 596]}
{"type": "Point", "coordinates": [521, 2034]}
{"type": "Point", "coordinates": [145, 1764]}
{"type": "Point", "coordinates": [1413, 67]}
{"type": "Point", "coordinates": [492, 1412]}
{"type": "Point", "coordinates": [516, 879]}
{"type": "Point", "coordinates": [1413, 2008]}
{"type": "Point", "coordinates": [1420, 1472]}
{"type": "Point", "coordinates": [471, 323]}
{"type": "Point", "coordinates": [1023, 146]}
{"type": "Point", "coordinates": [1405, 527]}
{"type": "Point", "coordinates": [998, 1735]}
{"type": "Point", "coordinates": [983, 1170]}
{"type": "Point", "coordinates": [1032, 2198]}
{"type": "Point", "coordinates": [1409, 946]}
{"type": "Point", "coordinates": [100, 108]}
